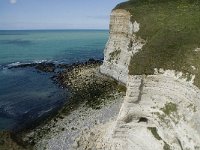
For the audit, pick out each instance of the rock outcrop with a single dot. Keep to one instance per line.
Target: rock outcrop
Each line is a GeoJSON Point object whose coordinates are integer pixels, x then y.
{"type": "Point", "coordinates": [121, 46]}
{"type": "Point", "coordinates": [160, 111]}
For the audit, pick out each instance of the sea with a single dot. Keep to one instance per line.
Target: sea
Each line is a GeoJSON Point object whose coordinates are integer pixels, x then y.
{"type": "Point", "coordinates": [26, 95]}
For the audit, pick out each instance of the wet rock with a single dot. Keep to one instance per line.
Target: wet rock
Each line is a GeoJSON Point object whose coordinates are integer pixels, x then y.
{"type": "Point", "coordinates": [46, 67]}
{"type": "Point", "coordinates": [23, 65]}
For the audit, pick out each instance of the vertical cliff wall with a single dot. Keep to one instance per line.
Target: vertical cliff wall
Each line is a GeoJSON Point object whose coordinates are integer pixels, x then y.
{"type": "Point", "coordinates": [161, 109]}
{"type": "Point", "coordinates": [121, 46]}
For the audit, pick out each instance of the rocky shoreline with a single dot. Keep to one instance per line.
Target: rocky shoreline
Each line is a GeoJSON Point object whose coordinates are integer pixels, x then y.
{"type": "Point", "coordinates": [91, 92]}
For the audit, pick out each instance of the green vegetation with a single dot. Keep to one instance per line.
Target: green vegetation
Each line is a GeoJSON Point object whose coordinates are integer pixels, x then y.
{"type": "Point", "coordinates": [97, 94]}
{"type": "Point", "coordinates": [166, 146]}
{"type": "Point", "coordinates": [154, 132]}
{"type": "Point", "coordinates": [169, 108]}
{"type": "Point", "coordinates": [114, 55]}
{"type": "Point", "coordinates": [169, 112]}
{"type": "Point", "coordinates": [121, 88]}
{"type": "Point", "coordinates": [171, 29]}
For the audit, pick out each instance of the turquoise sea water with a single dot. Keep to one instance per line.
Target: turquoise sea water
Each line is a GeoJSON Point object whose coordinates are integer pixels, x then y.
{"type": "Point", "coordinates": [60, 45]}
{"type": "Point", "coordinates": [25, 93]}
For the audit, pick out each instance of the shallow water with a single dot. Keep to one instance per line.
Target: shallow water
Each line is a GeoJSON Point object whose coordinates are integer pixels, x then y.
{"type": "Point", "coordinates": [25, 93]}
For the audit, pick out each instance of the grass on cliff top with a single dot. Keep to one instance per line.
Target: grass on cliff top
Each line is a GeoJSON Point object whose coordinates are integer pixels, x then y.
{"type": "Point", "coordinates": [172, 31]}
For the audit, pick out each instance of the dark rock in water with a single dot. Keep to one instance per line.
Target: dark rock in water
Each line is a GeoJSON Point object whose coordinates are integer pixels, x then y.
{"type": "Point", "coordinates": [51, 67]}
{"type": "Point", "coordinates": [46, 67]}
{"type": "Point", "coordinates": [23, 65]}
{"type": "Point", "coordinates": [93, 61]}
{"type": "Point", "coordinates": [63, 66]}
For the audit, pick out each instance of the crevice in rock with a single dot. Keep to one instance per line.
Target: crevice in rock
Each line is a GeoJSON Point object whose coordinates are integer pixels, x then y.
{"type": "Point", "coordinates": [179, 142]}
{"type": "Point", "coordinates": [143, 119]}
{"type": "Point", "coordinates": [141, 90]}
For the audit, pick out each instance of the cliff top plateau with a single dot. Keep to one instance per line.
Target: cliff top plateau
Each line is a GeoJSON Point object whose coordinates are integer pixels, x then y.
{"type": "Point", "coordinates": [171, 31]}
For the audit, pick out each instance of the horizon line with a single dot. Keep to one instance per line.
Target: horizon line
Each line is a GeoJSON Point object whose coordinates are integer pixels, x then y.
{"type": "Point", "coordinates": [45, 29]}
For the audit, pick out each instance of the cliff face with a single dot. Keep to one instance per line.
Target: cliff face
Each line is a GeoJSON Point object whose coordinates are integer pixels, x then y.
{"type": "Point", "coordinates": [121, 46]}
{"type": "Point", "coordinates": [161, 110]}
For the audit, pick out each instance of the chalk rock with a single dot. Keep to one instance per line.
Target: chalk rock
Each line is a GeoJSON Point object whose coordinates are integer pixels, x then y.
{"type": "Point", "coordinates": [121, 46]}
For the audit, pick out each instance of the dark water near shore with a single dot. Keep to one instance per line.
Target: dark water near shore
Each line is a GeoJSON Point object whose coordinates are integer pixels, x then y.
{"type": "Point", "coordinates": [25, 93]}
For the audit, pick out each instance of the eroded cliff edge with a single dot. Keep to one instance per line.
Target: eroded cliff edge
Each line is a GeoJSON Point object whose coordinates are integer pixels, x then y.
{"type": "Point", "coordinates": [121, 46]}
{"type": "Point", "coordinates": [162, 102]}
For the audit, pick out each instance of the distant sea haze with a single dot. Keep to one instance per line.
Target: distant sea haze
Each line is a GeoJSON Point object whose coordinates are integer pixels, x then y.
{"type": "Point", "coordinates": [22, 97]}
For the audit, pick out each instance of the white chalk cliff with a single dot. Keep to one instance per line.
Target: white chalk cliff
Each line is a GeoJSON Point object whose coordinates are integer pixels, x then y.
{"type": "Point", "coordinates": [122, 44]}
{"type": "Point", "coordinates": [160, 111]}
